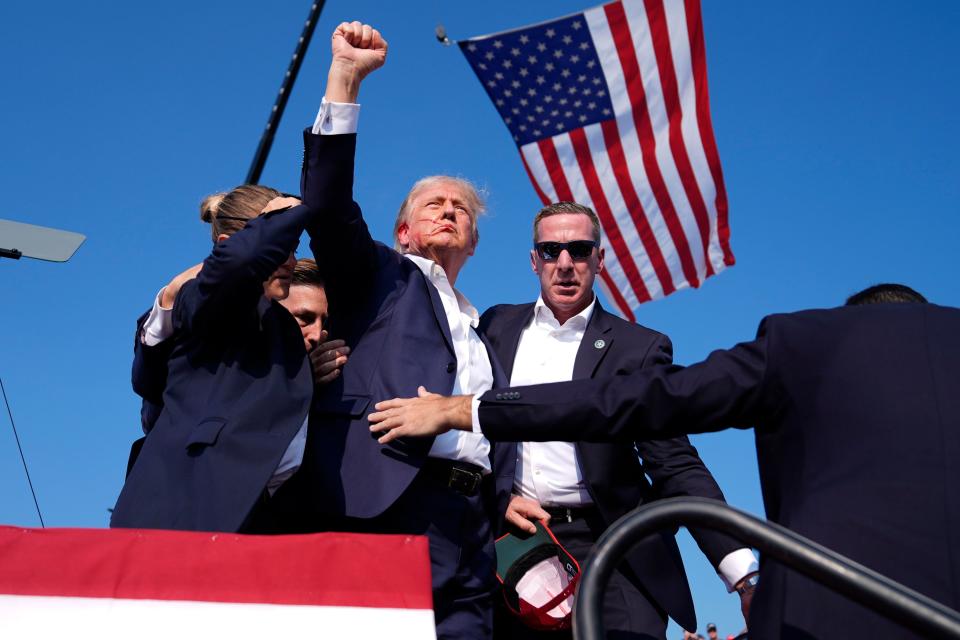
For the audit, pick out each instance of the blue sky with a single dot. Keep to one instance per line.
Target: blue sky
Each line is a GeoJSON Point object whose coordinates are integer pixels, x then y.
{"type": "Point", "coordinates": [836, 124]}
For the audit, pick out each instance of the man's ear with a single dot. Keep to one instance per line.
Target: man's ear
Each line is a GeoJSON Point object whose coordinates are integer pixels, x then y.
{"type": "Point", "coordinates": [533, 261]}
{"type": "Point", "coordinates": [599, 259]}
{"type": "Point", "coordinates": [403, 234]}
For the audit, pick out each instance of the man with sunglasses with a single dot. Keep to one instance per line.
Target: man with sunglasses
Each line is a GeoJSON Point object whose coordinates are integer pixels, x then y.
{"type": "Point", "coordinates": [581, 488]}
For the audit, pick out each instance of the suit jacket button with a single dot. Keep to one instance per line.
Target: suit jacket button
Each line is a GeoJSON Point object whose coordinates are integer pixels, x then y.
{"type": "Point", "coordinates": [451, 367]}
{"type": "Point", "coordinates": [499, 396]}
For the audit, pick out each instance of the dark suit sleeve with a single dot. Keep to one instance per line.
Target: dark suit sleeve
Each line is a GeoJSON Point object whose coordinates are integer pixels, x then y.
{"type": "Point", "coordinates": [676, 469]}
{"type": "Point", "coordinates": [231, 280]}
{"type": "Point", "coordinates": [342, 246]}
{"type": "Point", "coordinates": [729, 388]}
{"type": "Point", "coordinates": [149, 375]}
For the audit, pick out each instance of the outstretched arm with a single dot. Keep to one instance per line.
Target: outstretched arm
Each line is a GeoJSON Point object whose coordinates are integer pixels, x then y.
{"type": "Point", "coordinates": [729, 389]}
{"type": "Point", "coordinates": [341, 243]}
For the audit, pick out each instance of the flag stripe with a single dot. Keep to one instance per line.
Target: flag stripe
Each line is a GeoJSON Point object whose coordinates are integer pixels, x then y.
{"type": "Point", "coordinates": [119, 619]}
{"type": "Point", "coordinates": [533, 160]}
{"type": "Point", "coordinates": [608, 183]}
{"type": "Point", "coordinates": [552, 161]}
{"type": "Point", "coordinates": [613, 293]}
{"type": "Point", "coordinates": [330, 569]}
{"type": "Point", "coordinates": [642, 38]}
{"type": "Point", "coordinates": [699, 68]}
{"type": "Point", "coordinates": [676, 25]}
{"type": "Point", "coordinates": [536, 184]}
{"type": "Point", "coordinates": [623, 41]}
{"type": "Point", "coordinates": [634, 208]}
{"type": "Point", "coordinates": [602, 208]}
{"type": "Point", "coordinates": [660, 37]}
{"type": "Point", "coordinates": [630, 145]}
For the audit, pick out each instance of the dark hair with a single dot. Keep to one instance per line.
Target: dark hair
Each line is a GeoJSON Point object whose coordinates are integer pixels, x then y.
{"type": "Point", "coordinates": [887, 292]}
{"type": "Point", "coordinates": [229, 211]}
{"type": "Point", "coordinates": [567, 207]}
{"type": "Point", "coordinates": [306, 274]}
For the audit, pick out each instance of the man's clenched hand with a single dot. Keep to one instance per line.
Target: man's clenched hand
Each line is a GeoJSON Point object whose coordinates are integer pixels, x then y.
{"type": "Point", "coordinates": [429, 414]}
{"type": "Point", "coordinates": [357, 49]}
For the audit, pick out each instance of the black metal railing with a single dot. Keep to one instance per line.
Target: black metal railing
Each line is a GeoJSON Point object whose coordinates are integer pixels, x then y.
{"type": "Point", "coordinates": [877, 592]}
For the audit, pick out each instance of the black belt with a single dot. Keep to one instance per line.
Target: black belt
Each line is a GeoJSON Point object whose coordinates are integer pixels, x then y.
{"type": "Point", "coordinates": [462, 477]}
{"type": "Point", "coordinates": [569, 514]}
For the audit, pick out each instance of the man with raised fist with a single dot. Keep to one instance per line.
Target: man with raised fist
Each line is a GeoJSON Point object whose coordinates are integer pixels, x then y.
{"type": "Point", "coordinates": [406, 326]}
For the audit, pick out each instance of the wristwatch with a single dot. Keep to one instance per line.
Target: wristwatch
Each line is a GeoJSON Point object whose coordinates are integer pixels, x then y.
{"type": "Point", "coordinates": [748, 584]}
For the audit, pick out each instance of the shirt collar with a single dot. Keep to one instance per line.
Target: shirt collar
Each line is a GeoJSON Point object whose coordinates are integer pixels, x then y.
{"type": "Point", "coordinates": [436, 275]}
{"type": "Point", "coordinates": [543, 313]}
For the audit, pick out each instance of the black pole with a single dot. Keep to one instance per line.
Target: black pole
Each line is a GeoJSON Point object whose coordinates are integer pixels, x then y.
{"type": "Point", "coordinates": [266, 140]}
{"type": "Point", "coordinates": [891, 599]}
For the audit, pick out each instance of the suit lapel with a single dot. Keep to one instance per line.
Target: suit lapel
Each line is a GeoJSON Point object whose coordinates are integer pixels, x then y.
{"type": "Point", "coordinates": [597, 340]}
{"type": "Point", "coordinates": [506, 346]}
{"type": "Point", "coordinates": [439, 312]}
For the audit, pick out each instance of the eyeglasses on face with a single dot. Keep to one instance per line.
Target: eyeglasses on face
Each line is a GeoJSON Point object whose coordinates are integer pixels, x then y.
{"type": "Point", "coordinates": [578, 249]}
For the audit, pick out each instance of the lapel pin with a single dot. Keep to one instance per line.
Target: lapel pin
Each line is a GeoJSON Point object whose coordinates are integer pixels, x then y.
{"type": "Point", "coordinates": [599, 344]}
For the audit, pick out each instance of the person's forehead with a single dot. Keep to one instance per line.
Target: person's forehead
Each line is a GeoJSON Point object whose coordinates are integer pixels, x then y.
{"type": "Point", "coordinates": [306, 298]}
{"type": "Point", "coordinates": [444, 189]}
{"type": "Point", "coordinates": [570, 224]}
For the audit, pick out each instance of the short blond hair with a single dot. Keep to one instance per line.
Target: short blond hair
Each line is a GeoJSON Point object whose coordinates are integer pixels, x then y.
{"type": "Point", "coordinates": [474, 201]}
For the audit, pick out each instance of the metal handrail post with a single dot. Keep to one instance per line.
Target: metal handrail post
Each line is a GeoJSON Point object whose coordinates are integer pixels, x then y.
{"type": "Point", "coordinates": [840, 574]}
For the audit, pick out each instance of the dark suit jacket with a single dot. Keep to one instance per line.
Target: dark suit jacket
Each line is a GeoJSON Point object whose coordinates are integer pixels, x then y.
{"type": "Point", "coordinates": [614, 475]}
{"type": "Point", "coordinates": [857, 419]}
{"type": "Point", "coordinates": [238, 388]}
{"type": "Point", "coordinates": [394, 323]}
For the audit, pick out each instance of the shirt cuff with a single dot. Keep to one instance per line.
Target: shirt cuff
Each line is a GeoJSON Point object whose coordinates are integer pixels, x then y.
{"type": "Point", "coordinates": [159, 324]}
{"type": "Point", "coordinates": [336, 118]}
{"type": "Point", "coordinates": [735, 566]}
{"type": "Point", "coordinates": [475, 413]}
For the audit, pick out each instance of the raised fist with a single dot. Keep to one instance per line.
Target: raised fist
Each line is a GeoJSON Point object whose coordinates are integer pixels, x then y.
{"type": "Point", "coordinates": [358, 49]}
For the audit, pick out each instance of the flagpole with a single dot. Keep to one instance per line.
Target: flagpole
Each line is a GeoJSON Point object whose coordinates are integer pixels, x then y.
{"type": "Point", "coordinates": [276, 113]}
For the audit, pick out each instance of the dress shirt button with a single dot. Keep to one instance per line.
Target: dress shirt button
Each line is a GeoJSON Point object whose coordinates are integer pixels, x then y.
{"type": "Point", "coordinates": [451, 367]}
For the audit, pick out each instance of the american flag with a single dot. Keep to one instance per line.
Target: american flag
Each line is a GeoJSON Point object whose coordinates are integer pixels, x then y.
{"type": "Point", "coordinates": [609, 108]}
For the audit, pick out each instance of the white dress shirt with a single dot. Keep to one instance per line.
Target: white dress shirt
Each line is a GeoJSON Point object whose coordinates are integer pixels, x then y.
{"type": "Point", "coordinates": [474, 373]}
{"type": "Point", "coordinates": [549, 472]}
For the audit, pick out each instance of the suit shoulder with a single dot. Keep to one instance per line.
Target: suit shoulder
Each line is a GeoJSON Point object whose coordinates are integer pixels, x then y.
{"type": "Point", "coordinates": [634, 330]}
{"type": "Point", "coordinates": [499, 314]}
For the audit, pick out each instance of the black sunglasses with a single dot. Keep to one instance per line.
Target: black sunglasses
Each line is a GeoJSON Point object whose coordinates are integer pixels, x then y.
{"type": "Point", "coordinates": [578, 249]}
